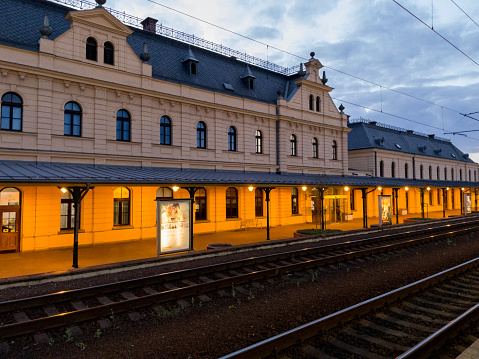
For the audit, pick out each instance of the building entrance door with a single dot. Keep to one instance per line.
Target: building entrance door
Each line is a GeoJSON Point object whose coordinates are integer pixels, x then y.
{"type": "Point", "coordinates": [10, 234]}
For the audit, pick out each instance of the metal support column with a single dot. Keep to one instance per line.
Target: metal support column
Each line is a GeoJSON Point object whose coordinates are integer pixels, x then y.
{"type": "Point", "coordinates": [321, 206]}
{"type": "Point", "coordinates": [78, 193]}
{"type": "Point", "coordinates": [444, 194]}
{"type": "Point", "coordinates": [267, 191]}
{"type": "Point", "coordinates": [422, 202]}
{"type": "Point", "coordinates": [192, 191]}
{"type": "Point", "coordinates": [397, 205]}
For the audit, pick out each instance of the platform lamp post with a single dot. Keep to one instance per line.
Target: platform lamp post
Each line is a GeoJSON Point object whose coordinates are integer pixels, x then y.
{"type": "Point", "coordinates": [267, 191]}
{"type": "Point", "coordinates": [444, 196]}
{"type": "Point", "coordinates": [77, 193]}
{"type": "Point", "coordinates": [365, 192]}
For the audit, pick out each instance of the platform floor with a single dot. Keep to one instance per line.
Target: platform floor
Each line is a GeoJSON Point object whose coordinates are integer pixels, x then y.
{"type": "Point", "coordinates": [28, 263]}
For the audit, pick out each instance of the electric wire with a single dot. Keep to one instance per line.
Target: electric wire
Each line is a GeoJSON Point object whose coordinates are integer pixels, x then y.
{"type": "Point", "coordinates": [331, 68]}
{"type": "Point", "coordinates": [465, 13]}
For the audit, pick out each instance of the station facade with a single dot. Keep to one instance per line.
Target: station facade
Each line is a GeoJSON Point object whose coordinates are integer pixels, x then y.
{"type": "Point", "coordinates": [121, 116]}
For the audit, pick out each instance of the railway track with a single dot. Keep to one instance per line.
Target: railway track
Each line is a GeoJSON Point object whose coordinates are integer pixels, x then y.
{"type": "Point", "coordinates": [63, 309]}
{"type": "Point", "coordinates": [410, 322]}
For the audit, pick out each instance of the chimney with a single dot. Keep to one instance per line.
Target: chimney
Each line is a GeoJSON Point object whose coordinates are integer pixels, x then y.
{"type": "Point", "coordinates": [149, 24]}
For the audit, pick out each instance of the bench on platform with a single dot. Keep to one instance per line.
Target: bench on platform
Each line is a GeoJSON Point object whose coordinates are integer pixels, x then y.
{"type": "Point", "coordinates": [250, 223]}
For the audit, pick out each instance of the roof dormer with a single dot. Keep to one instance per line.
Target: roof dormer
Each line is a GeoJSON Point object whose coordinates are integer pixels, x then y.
{"type": "Point", "coordinates": [191, 62]}
{"type": "Point", "coordinates": [248, 78]}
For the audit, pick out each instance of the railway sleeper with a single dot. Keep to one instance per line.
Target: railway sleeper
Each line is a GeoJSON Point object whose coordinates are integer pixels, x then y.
{"type": "Point", "coordinates": [404, 324]}
{"type": "Point", "coordinates": [431, 311]}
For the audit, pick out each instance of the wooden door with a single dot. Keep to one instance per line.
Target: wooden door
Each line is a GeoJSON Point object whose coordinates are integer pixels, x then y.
{"type": "Point", "coordinates": [10, 233]}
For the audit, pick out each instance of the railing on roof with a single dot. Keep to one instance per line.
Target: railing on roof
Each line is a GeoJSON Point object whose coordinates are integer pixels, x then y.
{"type": "Point", "coordinates": [390, 127]}
{"type": "Point", "coordinates": [184, 37]}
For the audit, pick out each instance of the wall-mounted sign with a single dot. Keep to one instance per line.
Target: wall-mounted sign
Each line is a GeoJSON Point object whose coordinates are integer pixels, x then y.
{"type": "Point", "coordinates": [467, 203]}
{"type": "Point", "coordinates": [385, 210]}
{"type": "Point", "coordinates": [174, 226]}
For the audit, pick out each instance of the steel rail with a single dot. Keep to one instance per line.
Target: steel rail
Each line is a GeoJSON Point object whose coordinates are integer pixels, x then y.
{"type": "Point", "coordinates": [289, 338]}
{"type": "Point", "coordinates": [185, 273]}
{"type": "Point", "coordinates": [17, 329]}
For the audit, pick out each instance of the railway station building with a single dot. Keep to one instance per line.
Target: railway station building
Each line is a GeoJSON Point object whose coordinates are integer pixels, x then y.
{"type": "Point", "coordinates": [119, 111]}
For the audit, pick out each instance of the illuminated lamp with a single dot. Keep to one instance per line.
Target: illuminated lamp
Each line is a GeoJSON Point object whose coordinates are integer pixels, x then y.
{"type": "Point", "coordinates": [429, 188]}
{"type": "Point", "coordinates": [346, 188]}
{"type": "Point", "coordinates": [462, 189]}
{"type": "Point", "coordinates": [380, 188]}
{"type": "Point", "coordinates": [175, 188]}
{"type": "Point", "coordinates": [251, 188]}
{"type": "Point", "coordinates": [447, 189]}
{"type": "Point", "coordinates": [406, 188]}
{"type": "Point", "coordinates": [304, 188]}
{"type": "Point", "coordinates": [64, 190]}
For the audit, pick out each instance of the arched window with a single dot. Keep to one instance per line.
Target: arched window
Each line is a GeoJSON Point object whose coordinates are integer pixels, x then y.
{"type": "Point", "coordinates": [164, 192]}
{"type": "Point", "coordinates": [294, 201]}
{"type": "Point", "coordinates": [9, 197]}
{"type": "Point", "coordinates": [193, 68]}
{"type": "Point", "coordinates": [165, 131]}
{"type": "Point", "coordinates": [406, 171]}
{"type": "Point", "coordinates": [393, 169]}
{"type": "Point", "coordinates": [258, 202]}
{"type": "Point", "coordinates": [470, 178]}
{"type": "Point", "coordinates": [12, 108]}
{"type": "Point", "coordinates": [445, 173]}
{"type": "Point", "coordinates": [121, 206]}
{"type": "Point", "coordinates": [438, 174]}
{"type": "Point", "coordinates": [430, 172]}
{"type": "Point", "coordinates": [318, 104]}
{"type": "Point", "coordinates": [123, 125]}
{"type": "Point", "coordinates": [452, 174]}
{"type": "Point", "coordinates": [292, 143]}
{"type": "Point", "coordinates": [91, 49]}
{"type": "Point", "coordinates": [201, 135]}
{"type": "Point", "coordinates": [231, 203]}
{"type": "Point", "coordinates": [381, 169]}
{"type": "Point", "coordinates": [231, 138]}
{"type": "Point", "coordinates": [200, 205]}
{"type": "Point", "coordinates": [460, 174]}
{"type": "Point", "coordinates": [315, 147]}
{"type": "Point", "coordinates": [311, 102]}
{"type": "Point", "coordinates": [335, 150]}
{"type": "Point", "coordinates": [108, 53]}
{"type": "Point", "coordinates": [258, 140]}
{"type": "Point", "coordinates": [421, 172]}
{"type": "Point", "coordinates": [67, 212]}
{"type": "Point", "coordinates": [72, 119]}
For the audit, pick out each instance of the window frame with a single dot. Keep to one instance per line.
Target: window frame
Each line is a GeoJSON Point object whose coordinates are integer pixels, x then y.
{"type": "Point", "coordinates": [118, 213]}
{"type": "Point", "coordinates": [109, 53]}
{"type": "Point", "coordinates": [165, 131]}
{"type": "Point", "coordinates": [258, 142]}
{"type": "Point", "coordinates": [70, 215]}
{"type": "Point", "coordinates": [69, 119]}
{"type": "Point", "coordinates": [258, 203]}
{"type": "Point", "coordinates": [315, 145]}
{"type": "Point", "coordinates": [318, 104]}
{"type": "Point", "coordinates": [293, 145]}
{"type": "Point", "coordinates": [231, 202]}
{"type": "Point", "coordinates": [381, 168]}
{"type": "Point", "coordinates": [201, 201]}
{"type": "Point", "coordinates": [406, 170]}
{"type": "Point", "coordinates": [232, 139]}
{"type": "Point", "coordinates": [335, 150]}
{"type": "Point", "coordinates": [15, 102]}
{"type": "Point", "coordinates": [122, 133]}
{"type": "Point", "coordinates": [201, 135]}
{"type": "Point", "coordinates": [311, 102]}
{"type": "Point", "coordinates": [421, 172]}
{"type": "Point", "coordinates": [393, 169]}
{"type": "Point", "coordinates": [294, 200]}
{"type": "Point", "coordinates": [91, 49]}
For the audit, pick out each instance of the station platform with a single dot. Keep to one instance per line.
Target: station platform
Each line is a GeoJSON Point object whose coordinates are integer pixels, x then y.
{"type": "Point", "coordinates": [60, 260]}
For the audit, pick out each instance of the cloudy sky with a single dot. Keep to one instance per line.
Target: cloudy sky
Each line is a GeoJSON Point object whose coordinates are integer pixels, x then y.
{"type": "Point", "coordinates": [373, 40]}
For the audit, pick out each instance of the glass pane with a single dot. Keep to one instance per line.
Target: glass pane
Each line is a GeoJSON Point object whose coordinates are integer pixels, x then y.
{"type": "Point", "coordinates": [64, 209]}
{"type": "Point", "coordinates": [126, 212]}
{"type": "Point", "coordinates": [9, 222]}
{"type": "Point", "coordinates": [16, 124]}
{"type": "Point", "coordinates": [63, 222]}
{"type": "Point", "coordinates": [67, 129]}
{"type": "Point", "coordinates": [9, 197]}
{"type": "Point", "coordinates": [17, 112]}
{"type": "Point", "coordinates": [116, 213]}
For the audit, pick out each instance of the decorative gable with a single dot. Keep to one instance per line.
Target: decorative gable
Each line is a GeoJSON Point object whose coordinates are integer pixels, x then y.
{"type": "Point", "coordinates": [98, 18]}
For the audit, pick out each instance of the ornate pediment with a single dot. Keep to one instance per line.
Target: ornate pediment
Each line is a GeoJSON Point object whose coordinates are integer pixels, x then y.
{"type": "Point", "coordinates": [98, 18]}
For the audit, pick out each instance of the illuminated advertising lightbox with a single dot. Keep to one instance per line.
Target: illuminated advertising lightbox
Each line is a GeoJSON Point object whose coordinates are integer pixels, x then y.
{"type": "Point", "coordinates": [174, 226]}
{"type": "Point", "coordinates": [467, 203]}
{"type": "Point", "coordinates": [385, 210]}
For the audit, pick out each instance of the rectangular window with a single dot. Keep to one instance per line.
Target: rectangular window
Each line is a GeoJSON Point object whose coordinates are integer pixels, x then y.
{"type": "Point", "coordinates": [67, 214]}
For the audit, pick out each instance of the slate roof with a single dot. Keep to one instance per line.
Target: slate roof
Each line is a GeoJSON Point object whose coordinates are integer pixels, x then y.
{"type": "Point", "coordinates": [24, 172]}
{"type": "Point", "coordinates": [21, 21]}
{"type": "Point", "coordinates": [371, 135]}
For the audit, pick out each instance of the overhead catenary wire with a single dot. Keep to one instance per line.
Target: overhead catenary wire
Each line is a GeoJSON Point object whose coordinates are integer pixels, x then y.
{"type": "Point", "coordinates": [465, 13]}
{"type": "Point", "coordinates": [329, 67]}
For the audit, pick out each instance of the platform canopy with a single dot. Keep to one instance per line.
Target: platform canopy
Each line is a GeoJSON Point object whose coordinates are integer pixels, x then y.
{"type": "Point", "coordinates": [51, 173]}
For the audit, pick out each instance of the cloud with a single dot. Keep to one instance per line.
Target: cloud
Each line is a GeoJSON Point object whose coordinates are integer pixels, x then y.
{"type": "Point", "coordinates": [263, 32]}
